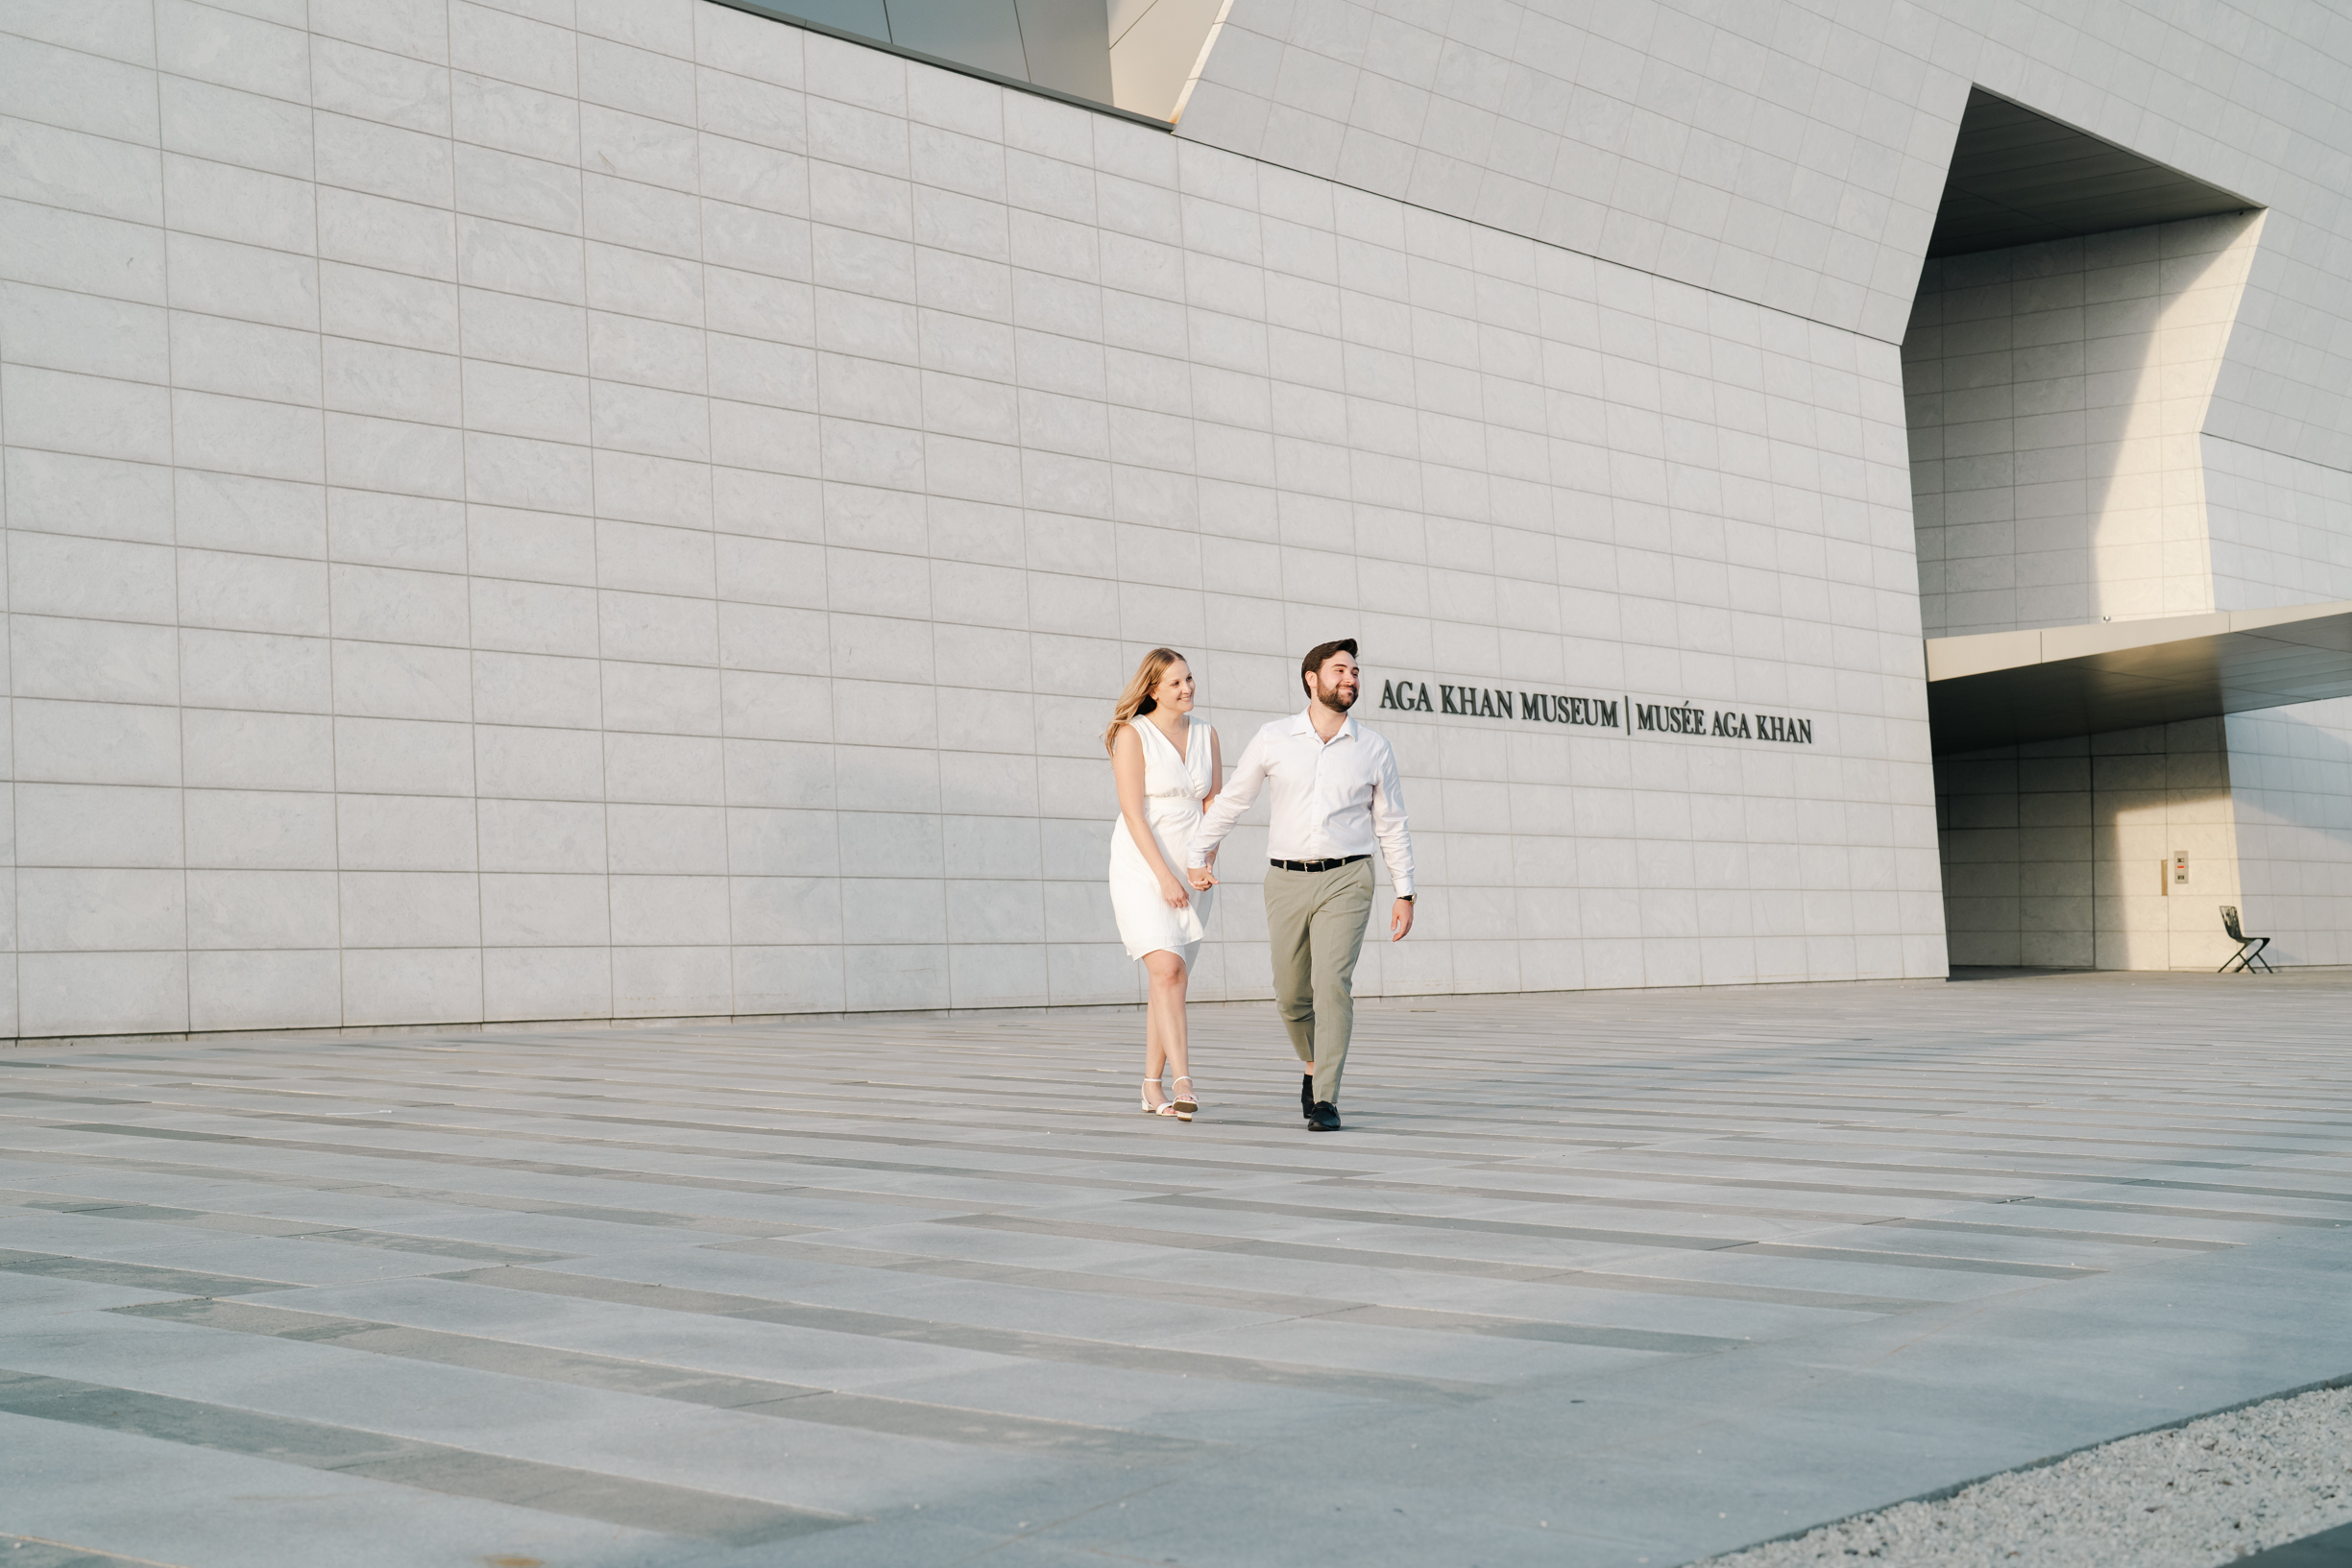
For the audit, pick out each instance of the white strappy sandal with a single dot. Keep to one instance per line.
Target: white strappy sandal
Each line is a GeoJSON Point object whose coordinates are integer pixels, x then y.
{"type": "Point", "coordinates": [1166, 1108]}
{"type": "Point", "coordinates": [1185, 1105]}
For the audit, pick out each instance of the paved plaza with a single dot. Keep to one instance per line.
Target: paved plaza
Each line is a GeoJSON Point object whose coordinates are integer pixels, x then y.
{"type": "Point", "coordinates": [1602, 1278]}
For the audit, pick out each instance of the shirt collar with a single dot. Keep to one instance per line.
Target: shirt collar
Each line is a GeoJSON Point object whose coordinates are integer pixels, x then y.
{"type": "Point", "coordinates": [1304, 724]}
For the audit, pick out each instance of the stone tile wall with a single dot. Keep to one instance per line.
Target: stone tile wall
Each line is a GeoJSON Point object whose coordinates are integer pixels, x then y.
{"type": "Point", "coordinates": [1769, 151]}
{"type": "Point", "coordinates": [2060, 854]}
{"type": "Point", "coordinates": [643, 514]}
{"type": "Point", "coordinates": [1793, 154]}
{"type": "Point", "coordinates": [2281, 527]}
{"type": "Point", "coordinates": [2290, 779]}
{"type": "Point", "coordinates": [2056, 397]}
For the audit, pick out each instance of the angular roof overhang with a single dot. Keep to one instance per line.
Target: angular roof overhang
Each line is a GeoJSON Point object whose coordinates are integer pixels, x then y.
{"type": "Point", "coordinates": [2017, 176]}
{"type": "Point", "coordinates": [2006, 689]}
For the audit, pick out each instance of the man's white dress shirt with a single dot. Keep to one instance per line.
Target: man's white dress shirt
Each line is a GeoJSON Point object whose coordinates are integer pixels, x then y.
{"type": "Point", "coordinates": [1331, 798]}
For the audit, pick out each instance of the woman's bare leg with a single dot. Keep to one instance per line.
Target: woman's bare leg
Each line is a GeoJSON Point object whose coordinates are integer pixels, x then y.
{"type": "Point", "coordinates": [1170, 1038]}
{"type": "Point", "coordinates": [1154, 1044]}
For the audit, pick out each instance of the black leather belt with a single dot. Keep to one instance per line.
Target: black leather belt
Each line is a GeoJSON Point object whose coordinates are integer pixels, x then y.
{"type": "Point", "coordinates": [1316, 865]}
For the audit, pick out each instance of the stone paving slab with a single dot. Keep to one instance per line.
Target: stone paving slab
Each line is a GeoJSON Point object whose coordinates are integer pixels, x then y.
{"type": "Point", "coordinates": [1601, 1278]}
{"type": "Point", "coordinates": [2329, 1548]}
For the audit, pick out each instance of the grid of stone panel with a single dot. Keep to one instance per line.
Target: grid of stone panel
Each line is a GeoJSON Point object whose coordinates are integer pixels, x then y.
{"type": "Point", "coordinates": [1793, 153]}
{"type": "Point", "coordinates": [2111, 851]}
{"type": "Point", "coordinates": [2064, 470]}
{"type": "Point", "coordinates": [2064, 854]}
{"type": "Point", "coordinates": [2058, 394]}
{"type": "Point", "coordinates": [2290, 785]}
{"type": "Point", "coordinates": [1786, 154]}
{"type": "Point", "coordinates": [2281, 527]}
{"type": "Point", "coordinates": [643, 516]}
{"type": "Point", "coordinates": [884, 1290]}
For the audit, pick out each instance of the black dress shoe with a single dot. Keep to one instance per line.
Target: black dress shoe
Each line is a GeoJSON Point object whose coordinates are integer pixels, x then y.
{"type": "Point", "coordinates": [1306, 1095]}
{"type": "Point", "coordinates": [1322, 1117]}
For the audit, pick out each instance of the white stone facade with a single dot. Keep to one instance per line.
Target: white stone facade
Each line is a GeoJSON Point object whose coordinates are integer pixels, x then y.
{"type": "Point", "coordinates": [2109, 851]}
{"type": "Point", "coordinates": [1793, 155]}
{"type": "Point", "coordinates": [2058, 396]}
{"type": "Point", "coordinates": [542, 510]}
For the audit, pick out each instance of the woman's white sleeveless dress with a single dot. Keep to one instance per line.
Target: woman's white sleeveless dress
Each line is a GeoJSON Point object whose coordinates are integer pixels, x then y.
{"type": "Point", "coordinates": [1174, 786]}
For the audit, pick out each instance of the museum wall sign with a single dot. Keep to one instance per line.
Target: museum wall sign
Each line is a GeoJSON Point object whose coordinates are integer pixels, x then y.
{"type": "Point", "coordinates": [1439, 698]}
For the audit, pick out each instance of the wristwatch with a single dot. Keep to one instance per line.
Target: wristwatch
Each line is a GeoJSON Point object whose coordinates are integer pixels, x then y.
{"type": "Point", "coordinates": [1404, 898]}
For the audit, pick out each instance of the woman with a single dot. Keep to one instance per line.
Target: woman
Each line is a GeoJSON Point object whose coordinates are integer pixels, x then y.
{"type": "Point", "coordinates": [1167, 766]}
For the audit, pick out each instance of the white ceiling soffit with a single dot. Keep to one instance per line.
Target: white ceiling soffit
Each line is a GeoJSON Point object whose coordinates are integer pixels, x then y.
{"type": "Point", "coordinates": [2008, 688]}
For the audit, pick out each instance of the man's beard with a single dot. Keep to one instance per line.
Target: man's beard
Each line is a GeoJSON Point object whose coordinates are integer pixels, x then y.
{"type": "Point", "coordinates": [1331, 697]}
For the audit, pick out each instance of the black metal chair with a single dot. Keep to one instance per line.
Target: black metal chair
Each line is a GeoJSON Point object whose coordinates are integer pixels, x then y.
{"type": "Point", "coordinates": [2250, 948]}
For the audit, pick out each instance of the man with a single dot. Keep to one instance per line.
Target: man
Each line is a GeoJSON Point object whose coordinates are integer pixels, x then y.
{"type": "Point", "coordinates": [1335, 793]}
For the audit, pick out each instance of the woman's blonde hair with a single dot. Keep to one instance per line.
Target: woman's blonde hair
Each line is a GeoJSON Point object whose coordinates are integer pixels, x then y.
{"type": "Point", "coordinates": [1137, 698]}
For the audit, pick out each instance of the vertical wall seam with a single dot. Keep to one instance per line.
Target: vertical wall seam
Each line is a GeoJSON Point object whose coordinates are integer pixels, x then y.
{"type": "Point", "coordinates": [171, 438]}
{"type": "Point", "coordinates": [718, 629]}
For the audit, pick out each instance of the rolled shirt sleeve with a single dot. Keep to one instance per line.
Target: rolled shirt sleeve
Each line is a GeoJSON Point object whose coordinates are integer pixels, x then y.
{"type": "Point", "coordinates": [1240, 793]}
{"type": "Point", "coordinates": [1389, 821]}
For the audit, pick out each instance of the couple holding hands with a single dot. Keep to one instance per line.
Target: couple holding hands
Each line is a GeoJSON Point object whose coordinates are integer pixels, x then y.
{"type": "Point", "coordinates": [1336, 797]}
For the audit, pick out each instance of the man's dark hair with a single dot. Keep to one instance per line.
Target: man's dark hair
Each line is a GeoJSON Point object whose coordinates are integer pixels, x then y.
{"type": "Point", "coordinates": [1316, 655]}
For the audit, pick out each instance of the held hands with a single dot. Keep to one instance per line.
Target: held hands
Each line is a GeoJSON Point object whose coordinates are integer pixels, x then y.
{"type": "Point", "coordinates": [1204, 877]}
{"type": "Point", "coordinates": [1400, 919]}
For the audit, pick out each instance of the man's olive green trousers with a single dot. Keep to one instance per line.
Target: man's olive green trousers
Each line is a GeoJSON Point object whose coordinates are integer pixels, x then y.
{"type": "Point", "coordinates": [1315, 923]}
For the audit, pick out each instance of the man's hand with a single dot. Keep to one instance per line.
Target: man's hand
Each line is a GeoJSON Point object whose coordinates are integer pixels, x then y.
{"type": "Point", "coordinates": [1204, 877]}
{"type": "Point", "coordinates": [1400, 920]}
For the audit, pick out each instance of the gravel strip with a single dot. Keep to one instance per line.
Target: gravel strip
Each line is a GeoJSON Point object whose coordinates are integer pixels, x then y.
{"type": "Point", "coordinates": [2192, 1496]}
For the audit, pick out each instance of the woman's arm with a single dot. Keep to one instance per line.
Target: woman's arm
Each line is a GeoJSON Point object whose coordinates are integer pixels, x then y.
{"type": "Point", "coordinates": [1217, 821]}
{"type": "Point", "coordinates": [1217, 775]}
{"type": "Point", "coordinates": [1126, 766]}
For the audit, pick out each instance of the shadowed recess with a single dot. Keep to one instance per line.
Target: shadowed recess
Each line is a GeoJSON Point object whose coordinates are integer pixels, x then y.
{"type": "Point", "coordinates": [2018, 178]}
{"type": "Point", "coordinates": [2007, 689]}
